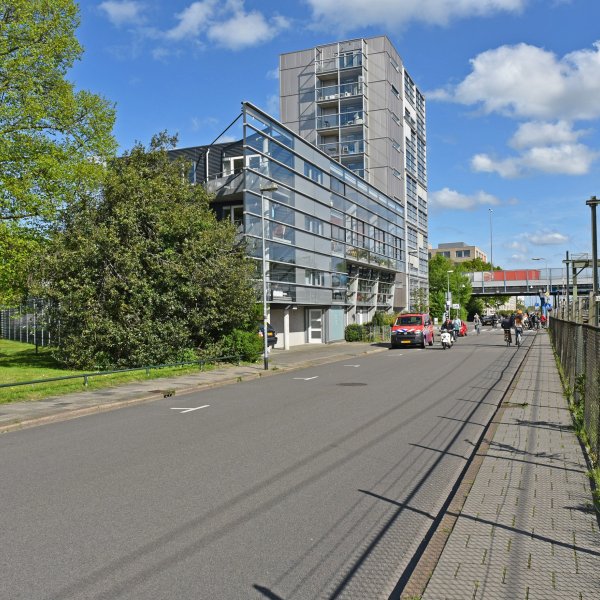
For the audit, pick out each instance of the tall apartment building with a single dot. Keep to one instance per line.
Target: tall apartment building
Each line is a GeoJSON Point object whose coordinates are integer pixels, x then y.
{"type": "Point", "coordinates": [356, 102]}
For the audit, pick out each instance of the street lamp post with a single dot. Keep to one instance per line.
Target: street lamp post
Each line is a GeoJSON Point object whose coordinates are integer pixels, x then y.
{"type": "Point", "coordinates": [448, 299]}
{"type": "Point", "coordinates": [592, 203]}
{"type": "Point", "coordinates": [268, 187]}
{"type": "Point", "coordinates": [491, 241]}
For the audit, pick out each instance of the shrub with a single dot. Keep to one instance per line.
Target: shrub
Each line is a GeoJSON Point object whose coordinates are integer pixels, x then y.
{"type": "Point", "coordinates": [245, 344]}
{"type": "Point", "coordinates": [383, 319]}
{"type": "Point", "coordinates": [354, 333]}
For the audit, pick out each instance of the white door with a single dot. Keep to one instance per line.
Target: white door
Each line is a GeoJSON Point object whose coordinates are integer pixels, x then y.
{"type": "Point", "coordinates": [315, 326]}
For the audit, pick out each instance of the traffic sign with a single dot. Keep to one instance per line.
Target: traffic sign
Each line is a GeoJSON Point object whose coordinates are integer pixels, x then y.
{"type": "Point", "coordinates": [537, 304]}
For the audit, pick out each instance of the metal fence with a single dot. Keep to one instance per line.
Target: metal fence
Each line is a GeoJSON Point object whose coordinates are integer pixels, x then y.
{"type": "Point", "coordinates": [578, 348]}
{"type": "Point", "coordinates": [27, 323]}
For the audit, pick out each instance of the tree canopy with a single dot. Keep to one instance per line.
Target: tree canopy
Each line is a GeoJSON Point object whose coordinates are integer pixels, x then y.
{"type": "Point", "coordinates": [144, 273]}
{"type": "Point", "coordinates": [52, 138]}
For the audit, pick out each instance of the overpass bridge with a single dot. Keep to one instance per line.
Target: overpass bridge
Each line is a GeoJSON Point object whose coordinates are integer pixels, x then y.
{"type": "Point", "coordinates": [531, 282]}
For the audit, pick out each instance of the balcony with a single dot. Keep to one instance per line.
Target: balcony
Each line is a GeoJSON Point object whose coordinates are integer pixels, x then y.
{"type": "Point", "coordinates": [345, 119]}
{"type": "Point", "coordinates": [332, 93]}
{"type": "Point", "coordinates": [337, 149]}
{"type": "Point", "coordinates": [226, 183]}
{"type": "Point", "coordinates": [349, 60]}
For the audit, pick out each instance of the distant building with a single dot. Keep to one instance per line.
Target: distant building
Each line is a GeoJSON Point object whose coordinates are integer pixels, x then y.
{"type": "Point", "coordinates": [458, 252]}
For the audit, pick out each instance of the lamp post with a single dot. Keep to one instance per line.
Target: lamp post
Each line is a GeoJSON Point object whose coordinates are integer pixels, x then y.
{"type": "Point", "coordinates": [268, 187]}
{"type": "Point", "coordinates": [448, 299]}
{"type": "Point", "coordinates": [592, 203]}
{"type": "Point", "coordinates": [491, 241]}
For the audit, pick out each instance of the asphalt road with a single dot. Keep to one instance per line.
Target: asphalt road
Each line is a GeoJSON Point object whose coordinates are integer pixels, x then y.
{"type": "Point", "coordinates": [311, 484]}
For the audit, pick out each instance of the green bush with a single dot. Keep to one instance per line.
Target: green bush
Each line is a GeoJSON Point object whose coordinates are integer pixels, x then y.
{"type": "Point", "coordinates": [248, 345]}
{"type": "Point", "coordinates": [354, 333]}
{"type": "Point", "coordinates": [383, 319]}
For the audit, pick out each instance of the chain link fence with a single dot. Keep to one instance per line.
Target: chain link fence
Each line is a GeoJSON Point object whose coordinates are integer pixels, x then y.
{"type": "Point", "coordinates": [578, 348]}
{"type": "Point", "coordinates": [27, 324]}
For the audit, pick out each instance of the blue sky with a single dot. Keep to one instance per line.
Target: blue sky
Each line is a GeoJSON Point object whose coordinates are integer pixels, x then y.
{"type": "Point", "coordinates": [512, 88]}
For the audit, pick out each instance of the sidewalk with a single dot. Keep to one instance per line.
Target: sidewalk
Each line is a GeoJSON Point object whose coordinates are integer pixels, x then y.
{"type": "Point", "coordinates": [19, 415]}
{"type": "Point", "coordinates": [528, 529]}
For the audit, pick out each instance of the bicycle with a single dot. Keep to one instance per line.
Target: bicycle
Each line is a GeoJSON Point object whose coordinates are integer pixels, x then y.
{"type": "Point", "coordinates": [518, 336]}
{"type": "Point", "coordinates": [507, 337]}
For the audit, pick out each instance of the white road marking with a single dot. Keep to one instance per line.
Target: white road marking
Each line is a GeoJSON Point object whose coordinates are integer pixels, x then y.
{"type": "Point", "coordinates": [186, 410]}
{"type": "Point", "coordinates": [352, 366]}
{"type": "Point", "coordinates": [306, 378]}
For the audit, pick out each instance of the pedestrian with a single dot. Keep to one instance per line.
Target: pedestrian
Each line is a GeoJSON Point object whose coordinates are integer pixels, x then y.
{"type": "Point", "coordinates": [477, 323]}
{"type": "Point", "coordinates": [543, 320]}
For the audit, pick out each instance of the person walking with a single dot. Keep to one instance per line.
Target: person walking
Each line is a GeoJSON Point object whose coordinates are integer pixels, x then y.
{"type": "Point", "coordinates": [477, 323]}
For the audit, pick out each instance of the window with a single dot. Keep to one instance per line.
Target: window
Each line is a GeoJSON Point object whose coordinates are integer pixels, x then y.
{"type": "Point", "coordinates": [395, 91]}
{"type": "Point", "coordinates": [313, 173]}
{"type": "Point", "coordinates": [395, 118]}
{"type": "Point", "coordinates": [396, 146]}
{"type": "Point", "coordinates": [233, 165]}
{"type": "Point", "coordinates": [394, 65]}
{"type": "Point", "coordinates": [313, 277]}
{"type": "Point", "coordinates": [313, 225]}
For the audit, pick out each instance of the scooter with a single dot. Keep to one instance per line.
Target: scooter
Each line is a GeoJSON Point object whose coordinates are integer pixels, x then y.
{"type": "Point", "coordinates": [446, 339]}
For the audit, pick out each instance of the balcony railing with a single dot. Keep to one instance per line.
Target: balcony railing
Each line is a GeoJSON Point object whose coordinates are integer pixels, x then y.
{"type": "Point", "coordinates": [345, 119]}
{"type": "Point", "coordinates": [343, 148]}
{"type": "Point", "coordinates": [349, 60]}
{"type": "Point", "coordinates": [346, 90]}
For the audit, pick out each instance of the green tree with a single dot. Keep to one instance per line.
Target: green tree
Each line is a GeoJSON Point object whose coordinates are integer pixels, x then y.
{"type": "Point", "coordinates": [53, 139]}
{"type": "Point", "coordinates": [144, 273]}
{"type": "Point", "coordinates": [439, 281]}
{"type": "Point", "coordinates": [419, 300]}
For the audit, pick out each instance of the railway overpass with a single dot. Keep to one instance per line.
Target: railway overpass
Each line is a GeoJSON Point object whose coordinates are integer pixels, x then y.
{"type": "Point", "coordinates": [531, 282]}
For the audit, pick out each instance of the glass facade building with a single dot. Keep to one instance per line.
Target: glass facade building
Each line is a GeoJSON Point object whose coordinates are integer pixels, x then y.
{"type": "Point", "coordinates": [335, 247]}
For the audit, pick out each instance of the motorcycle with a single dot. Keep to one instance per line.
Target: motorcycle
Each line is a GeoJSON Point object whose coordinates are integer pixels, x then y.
{"type": "Point", "coordinates": [446, 339]}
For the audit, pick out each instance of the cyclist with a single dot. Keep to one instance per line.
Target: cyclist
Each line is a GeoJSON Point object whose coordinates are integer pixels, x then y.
{"type": "Point", "coordinates": [506, 325]}
{"type": "Point", "coordinates": [518, 324]}
{"type": "Point", "coordinates": [457, 323]}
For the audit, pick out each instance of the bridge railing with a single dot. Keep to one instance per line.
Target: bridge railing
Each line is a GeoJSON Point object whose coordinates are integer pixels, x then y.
{"type": "Point", "coordinates": [578, 348]}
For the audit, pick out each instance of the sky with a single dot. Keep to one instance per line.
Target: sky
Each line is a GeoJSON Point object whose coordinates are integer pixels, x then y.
{"type": "Point", "coordinates": [512, 90]}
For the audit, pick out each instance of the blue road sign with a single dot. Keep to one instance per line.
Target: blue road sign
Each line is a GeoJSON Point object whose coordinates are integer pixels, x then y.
{"type": "Point", "coordinates": [537, 304]}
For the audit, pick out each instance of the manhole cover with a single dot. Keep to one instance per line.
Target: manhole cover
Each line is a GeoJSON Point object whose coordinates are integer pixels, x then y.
{"type": "Point", "coordinates": [352, 384]}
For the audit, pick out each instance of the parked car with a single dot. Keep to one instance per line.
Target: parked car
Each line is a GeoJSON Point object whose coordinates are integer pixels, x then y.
{"type": "Point", "coordinates": [463, 329]}
{"type": "Point", "coordinates": [413, 329]}
{"type": "Point", "coordinates": [271, 334]}
{"type": "Point", "coordinates": [489, 320]}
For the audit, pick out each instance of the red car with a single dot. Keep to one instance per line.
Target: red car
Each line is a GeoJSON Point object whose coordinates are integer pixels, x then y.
{"type": "Point", "coordinates": [414, 329]}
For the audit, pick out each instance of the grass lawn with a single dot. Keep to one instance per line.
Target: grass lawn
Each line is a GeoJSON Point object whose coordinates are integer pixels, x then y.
{"type": "Point", "coordinates": [19, 362]}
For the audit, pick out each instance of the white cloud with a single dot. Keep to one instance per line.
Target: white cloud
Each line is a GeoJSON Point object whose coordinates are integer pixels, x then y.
{"type": "Point", "coordinates": [192, 20]}
{"type": "Point", "coordinates": [525, 81]}
{"type": "Point", "coordinates": [245, 29]}
{"type": "Point", "coordinates": [539, 133]}
{"type": "Point", "coordinates": [123, 12]}
{"type": "Point", "coordinates": [447, 198]}
{"type": "Point", "coordinates": [355, 14]}
{"type": "Point", "coordinates": [561, 159]}
{"type": "Point", "coordinates": [545, 238]}
{"type": "Point", "coordinates": [273, 73]}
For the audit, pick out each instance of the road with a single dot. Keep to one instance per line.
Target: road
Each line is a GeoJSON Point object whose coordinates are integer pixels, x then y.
{"type": "Point", "coordinates": [318, 483]}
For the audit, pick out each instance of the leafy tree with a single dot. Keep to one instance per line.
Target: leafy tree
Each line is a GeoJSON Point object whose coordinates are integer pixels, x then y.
{"type": "Point", "coordinates": [53, 139]}
{"type": "Point", "coordinates": [419, 300]}
{"type": "Point", "coordinates": [144, 272]}
{"type": "Point", "coordinates": [440, 279]}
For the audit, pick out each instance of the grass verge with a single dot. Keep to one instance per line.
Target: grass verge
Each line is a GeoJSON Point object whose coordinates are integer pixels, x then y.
{"type": "Point", "coordinates": [577, 414]}
{"type": "Point", "coordinates": [19, 362]}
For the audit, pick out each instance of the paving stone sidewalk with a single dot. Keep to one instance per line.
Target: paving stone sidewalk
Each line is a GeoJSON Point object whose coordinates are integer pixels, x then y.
{"type": "Point", "coordinates": [528, 529]}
